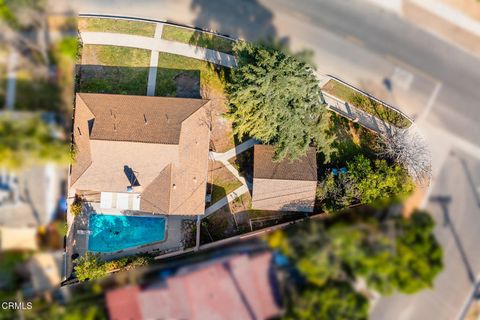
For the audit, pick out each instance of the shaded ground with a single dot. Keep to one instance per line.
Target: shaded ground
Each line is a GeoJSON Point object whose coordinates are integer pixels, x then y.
{"type": "Point", "coordinates": [111, 69]}
{"type": "Point", "coordinates": [244, 164]}
{"type": "Point", "coordinates": [197, 38]}
{"type": "Point", "coordinates": [220, 181]}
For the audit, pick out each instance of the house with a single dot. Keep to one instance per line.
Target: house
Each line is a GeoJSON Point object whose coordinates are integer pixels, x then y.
{"type": "Point", "coordinates": [239, 287]}
{"type": "Point", "coordinates": [46, 270]}
{"type": "Point", "coordinates": [285, 185]}
{"type": "Point", "coordinates": [140, 153]}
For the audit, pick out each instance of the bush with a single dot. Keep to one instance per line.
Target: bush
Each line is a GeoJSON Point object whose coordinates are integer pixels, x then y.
{"type": "Point", "coordinates": [76, 208]}
{"type": "Point", "coordinates": [89, 267]}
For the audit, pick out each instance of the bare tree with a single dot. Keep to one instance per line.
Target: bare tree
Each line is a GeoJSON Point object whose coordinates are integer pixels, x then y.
{"type": "Point", "coordinates": [407, 148]}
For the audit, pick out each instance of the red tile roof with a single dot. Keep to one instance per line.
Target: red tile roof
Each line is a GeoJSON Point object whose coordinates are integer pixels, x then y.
{"type": "Point", "coordinates": [241, 287]}
{"type": "Point", "coordinates": [123, 304]}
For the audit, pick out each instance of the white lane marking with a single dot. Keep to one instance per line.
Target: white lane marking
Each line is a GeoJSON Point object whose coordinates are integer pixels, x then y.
{"type": "Point", "coordinates": [402, 77]}
{"type": "Point", "coordinates": [431, 101]}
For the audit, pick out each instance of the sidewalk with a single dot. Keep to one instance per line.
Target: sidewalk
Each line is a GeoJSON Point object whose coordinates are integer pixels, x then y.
{"type": "Point", "coordinates": [161, 45]}
{"type": "Point", "coordinates": [358, 116]}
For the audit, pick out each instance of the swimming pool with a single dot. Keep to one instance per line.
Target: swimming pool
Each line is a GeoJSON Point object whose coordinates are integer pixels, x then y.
{"type": "Point", "coordinates": [109, 233]}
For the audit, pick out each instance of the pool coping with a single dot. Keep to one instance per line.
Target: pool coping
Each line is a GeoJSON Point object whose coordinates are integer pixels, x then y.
{"type": "Point", "coordinates": [128, 248]}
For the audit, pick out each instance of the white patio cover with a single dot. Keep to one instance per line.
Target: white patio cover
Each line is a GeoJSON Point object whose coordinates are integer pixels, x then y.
{"type": "Point", "coordinates": [106, 200]}
{"type": "Point", "coordinates": [122, 201]}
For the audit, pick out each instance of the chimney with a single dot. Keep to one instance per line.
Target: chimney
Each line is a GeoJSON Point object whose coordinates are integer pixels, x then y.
{"type": "Point", "coordinates": [145, 118]}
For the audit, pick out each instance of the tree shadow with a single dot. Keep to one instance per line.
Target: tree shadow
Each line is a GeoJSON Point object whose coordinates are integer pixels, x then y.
{"type": "Point", "coordinates": [444, 202]}
{"type": "Point", "coordinates": [217, 192]}
{"type": "Point", "coordinates": [246, 19]}
{"type": "Point", "coordinates": [112, 79]}
{"type": "Point", "coordinates": [178, 83]}
{"type": "Point", "coordinates": [472, 184]}
{"type": "Point", "coordinates": [217, 226]}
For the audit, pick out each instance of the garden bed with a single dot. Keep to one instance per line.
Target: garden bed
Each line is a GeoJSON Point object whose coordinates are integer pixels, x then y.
{"type": "Point", "coordinates": [198, 38]}
{"type": "Point", "coordinates": [139, 28]}
{"type": "Point", "coordinates": [365, 103]}
{"type": "Point", "coordinates": [114, 70]}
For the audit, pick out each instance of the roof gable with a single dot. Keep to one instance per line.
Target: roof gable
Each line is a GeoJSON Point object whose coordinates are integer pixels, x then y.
{"type": "Point", "coordinates": [264, 167]}
{"type": "Point", "coordinates": [138, 118]}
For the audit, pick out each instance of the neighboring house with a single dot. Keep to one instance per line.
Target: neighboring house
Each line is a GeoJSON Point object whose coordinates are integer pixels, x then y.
{"type": "Point", "coordinates": [285, 185]}
{"type": "Point", "coordinates": [140, 153]}
{"type": "Point", "coordinates": [240, 287]}
{"type": "Point", "coordinates": [28, 200]}
{"type": "Point", "coordinates": [46, 270]}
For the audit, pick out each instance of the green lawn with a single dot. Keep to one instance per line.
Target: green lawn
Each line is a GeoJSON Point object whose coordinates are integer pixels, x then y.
{"type": "Point", "coordinates": [112, 69]}
{"type": "Point", "coordinates": [171, 66]}
{"type": "Point", "coordinates": [138, 28]}
{"type": "Point", "coordinates": [198, 38]}
{"type": "Point", "coordinates": [366, 104]}
{"type": "Point", "coordinates": [222, 188]}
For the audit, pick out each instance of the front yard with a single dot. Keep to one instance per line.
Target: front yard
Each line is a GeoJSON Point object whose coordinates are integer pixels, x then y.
{"type": "Point", "coordinates": [114, 70]}
{"type": "Point", "coordinates": [138, 28]}
{"type": "Point", "coordinates": [181, 76]}
{"type": "Point", "coordinates": [198, 38]}
{"type": "Point", "coordinates": [365, 103]}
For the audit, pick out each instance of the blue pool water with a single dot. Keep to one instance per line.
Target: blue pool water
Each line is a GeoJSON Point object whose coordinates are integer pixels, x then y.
{"type": "Point", "coordinates": [110, 233]}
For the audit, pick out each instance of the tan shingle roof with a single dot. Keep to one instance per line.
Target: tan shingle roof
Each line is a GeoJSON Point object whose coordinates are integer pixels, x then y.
{"type": "Point", "coordinates": [168, 155]}
{"type": "Point", "coordinates": [156, 197]}
{"type": "Point", "coordinates": [138, 118]}
{"type": "Point", "coordinates": [264, 167]}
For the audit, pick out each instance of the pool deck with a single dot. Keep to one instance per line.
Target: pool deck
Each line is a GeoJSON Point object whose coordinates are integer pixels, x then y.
{"type": "Point", "coordinates": [78, 234]}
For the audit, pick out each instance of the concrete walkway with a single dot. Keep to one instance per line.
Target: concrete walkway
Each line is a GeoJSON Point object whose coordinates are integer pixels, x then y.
{"type": "Point", "coordinates": [152, 72]}
{"type": "Point", "coordinates": [356, 115]}
{"type": "Point", "coordinates": [225, 200]}
{"type": "Point", "coordinates": [161, 45]}
{"type": "Point", "coordinates": [11, 80]}
{"type": "Point", "coordinates": [223, 158]}
{"type": "Point", "coordinates": [234, 151]}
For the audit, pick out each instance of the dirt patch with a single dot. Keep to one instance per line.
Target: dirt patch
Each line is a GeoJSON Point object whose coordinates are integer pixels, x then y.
{"type": "Point", "coordinates": [187, 86]}
{"type": "Point", "coordinates": [221, 137]}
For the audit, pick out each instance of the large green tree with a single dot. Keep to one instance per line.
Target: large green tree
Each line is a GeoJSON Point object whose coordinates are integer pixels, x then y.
{"type": "Point", "coordinates": [379, 181]}
{"type": "Point", "coordinates": [275, 98]}
{"type": "Point", "coordinates": [334, 300]}
{"type": "Point", "coordinates": [397, 254]}
{"type": "Point", "coordinates": [28, 140]}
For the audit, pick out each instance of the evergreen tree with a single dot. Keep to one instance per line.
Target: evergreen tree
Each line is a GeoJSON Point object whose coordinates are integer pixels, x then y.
{"type": "Point", "coordinates": [276, 98]}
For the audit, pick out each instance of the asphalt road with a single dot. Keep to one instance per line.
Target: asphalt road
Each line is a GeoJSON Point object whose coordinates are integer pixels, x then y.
{"type": "Point", "coordinates": [425, 76]}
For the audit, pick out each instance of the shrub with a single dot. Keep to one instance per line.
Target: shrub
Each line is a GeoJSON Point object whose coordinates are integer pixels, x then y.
{"type": "Point", "coordinates": [89, 267]}
{"type": "Point", "coordinates": [76, 208]}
